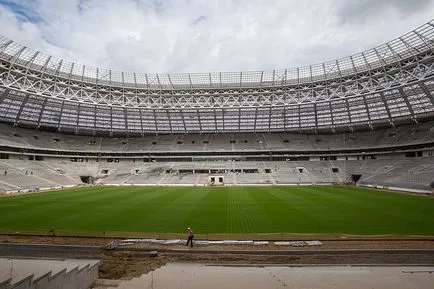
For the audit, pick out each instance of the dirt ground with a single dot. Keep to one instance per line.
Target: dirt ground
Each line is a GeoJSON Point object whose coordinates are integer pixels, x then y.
{"type": "Point", "coordinates": [127, 265]}
{"type": "Point", "coordinates": [133, 262]}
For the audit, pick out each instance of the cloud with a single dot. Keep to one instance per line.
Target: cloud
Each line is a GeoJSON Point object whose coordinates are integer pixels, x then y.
{"type": "Point", "coordinates": [199, 36]}
{"type": "Point", "coordinates": [364, 10]}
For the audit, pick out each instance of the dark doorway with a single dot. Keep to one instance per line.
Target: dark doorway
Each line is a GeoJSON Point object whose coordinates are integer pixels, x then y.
{"type": "Point", "coordinates": [87, 179]}
{"type": "Point", "coordinates": [355, 178]}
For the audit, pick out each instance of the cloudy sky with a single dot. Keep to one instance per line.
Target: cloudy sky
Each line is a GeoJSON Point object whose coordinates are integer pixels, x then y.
{"type": "Point", "coordinates": [206, 35]}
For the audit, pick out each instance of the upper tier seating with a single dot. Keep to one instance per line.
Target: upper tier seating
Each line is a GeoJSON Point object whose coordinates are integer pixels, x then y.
{"type": "Point", "coordinates": [403, 135]}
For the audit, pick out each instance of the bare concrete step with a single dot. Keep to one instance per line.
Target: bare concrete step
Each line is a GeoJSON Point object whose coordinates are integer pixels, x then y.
{"type": "Point", "coordinates": [47, 273]}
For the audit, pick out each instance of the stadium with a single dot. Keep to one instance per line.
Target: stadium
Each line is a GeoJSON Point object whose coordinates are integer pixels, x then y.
{"type": "Point", "coordinates": [339, 149]}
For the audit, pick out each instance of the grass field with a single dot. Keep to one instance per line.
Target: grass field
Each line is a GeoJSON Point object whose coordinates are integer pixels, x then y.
{"type": "Point", "coordinates": [298, 210]}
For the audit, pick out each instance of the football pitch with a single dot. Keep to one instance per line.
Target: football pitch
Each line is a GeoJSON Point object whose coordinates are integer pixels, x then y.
{"type": "Point", "coordinates": [328, 210]}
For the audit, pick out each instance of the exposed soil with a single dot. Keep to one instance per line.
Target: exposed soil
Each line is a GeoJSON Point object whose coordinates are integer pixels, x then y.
{"type": "Point", "coordinates": [127, 265]}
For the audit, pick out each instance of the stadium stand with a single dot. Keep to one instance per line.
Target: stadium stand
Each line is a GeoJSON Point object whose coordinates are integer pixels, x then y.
{"type": "Point", "coordinates": [421, 133]}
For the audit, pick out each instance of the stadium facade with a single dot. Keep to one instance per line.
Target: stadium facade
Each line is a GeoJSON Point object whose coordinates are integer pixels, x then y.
{"type": "Point", "coordinates": [368, 115]}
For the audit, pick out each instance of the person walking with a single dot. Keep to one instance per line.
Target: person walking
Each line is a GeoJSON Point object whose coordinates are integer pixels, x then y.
{"type": "Point", "coordinates": [190, 237]}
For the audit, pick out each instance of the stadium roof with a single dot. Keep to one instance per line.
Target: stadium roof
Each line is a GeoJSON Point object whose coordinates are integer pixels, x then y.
{"type": "Point", "coordinates": [386, 85]}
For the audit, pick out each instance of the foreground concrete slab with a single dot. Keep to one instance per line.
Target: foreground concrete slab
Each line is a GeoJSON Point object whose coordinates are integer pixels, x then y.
{"type": "Point", "coordinates": [198, 276]}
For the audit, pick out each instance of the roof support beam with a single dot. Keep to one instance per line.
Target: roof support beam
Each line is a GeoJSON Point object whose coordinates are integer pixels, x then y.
{"type": "Point", "coordinates": [298, 75]}
{"type": "Point", "coordinates": [397, 56]}
{"type": "Point", "coordinates": [123, 81]}
{"type": "Point", "coordinates": [155, 121]}
{"type": "Point", "coordinates": [147, 82]}
{"type": "Point", "coordinates": [429, 42]}
{"type": "Point", "coordinates": [31, 59]}
{"type": "Point", "coordinates": [126, 120]}
{"type": "Point", "coordinates": [82, 73]}
{"type": "Point", "coordinates": [159, 83]}
{"type": "Point", "coordinates": [58, 68]}
{"type": "Point", "coordinates": [60, 115]}
{"type": "Point", "coordinates": [223, 118]}
{"type": "Point", "coordinates": [367, 63]}
{"type": "Point", "coordinates": [299, 118]}
{"type": "Point", "coordinates": [4, 95]}
{"type": "Point", "coordinates": [111, 121]}
{"type": "Point", "coordinates": [78, 118]}
{"type": "Point", "coordinates": [256, 118]}
{"type": "Point", "coordinates": [410, 108]}
{"type": "Point", "coordinates": [311, 78]}
{"type": "Point", "coordinates": [339, 70]}
{"type": "Point", "coordinates": [141, 121]}
{"type": "Point", "coordinates": [350, 121]}
{"type": "Point", "coordinates": [198, 119]}
{"type": "Point", "coordinates": [169, 120]}
{"type": "Point", "coordinates": [368, 112]}
{"type": "Point", "coordinates": [426, 91]}
{"type": "Point", "coordinates": [135, 82]}
{"type": "Point", "coordinates": [17, 118]}
{"type": "Point", "coordinates": [45, 65]}
{"type": "Point", "coordinates": [331, 116]}
{"type": "Point", "coordinates": [316, 116]}
{"type": "Point", "coordinates": [41, 112]}
{"type": "Point", "coordinates": [274, 76]}
{"type": "Point", "coordinates": [16, 55]}
{"type": "Point", "coordinates": [411, 48]}
{"type": "Point", "coordinates": [354, 66]}
{"type": "Point", "coordinates": [269, 118]}
{"type": "Point", "coordinates": [215, 120]}
{"type": "Point", "coordinates": [239, 119]}
{"type": "Point", "coordinates": [170, 81]}
{"type": "Point", "coordinates": [95, 110]}
{"type": "Point", "coordinates": [183, 120]}
{"type": "Point", "coordinates": [189, 80]}
{"type": "Point", "coordinates": [383, 98]}
{"type": "Point", "coordinates": [70, 71]}
{"type": "Point", "coordinates": [5, 45]}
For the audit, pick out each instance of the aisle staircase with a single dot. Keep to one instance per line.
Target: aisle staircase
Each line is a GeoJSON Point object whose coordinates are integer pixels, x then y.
{"type": "Point", "coordinates": [47, 274]}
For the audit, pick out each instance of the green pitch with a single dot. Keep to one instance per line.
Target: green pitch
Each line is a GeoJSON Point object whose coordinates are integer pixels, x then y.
{"type": "Point", "coordinates": [244, 210]}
